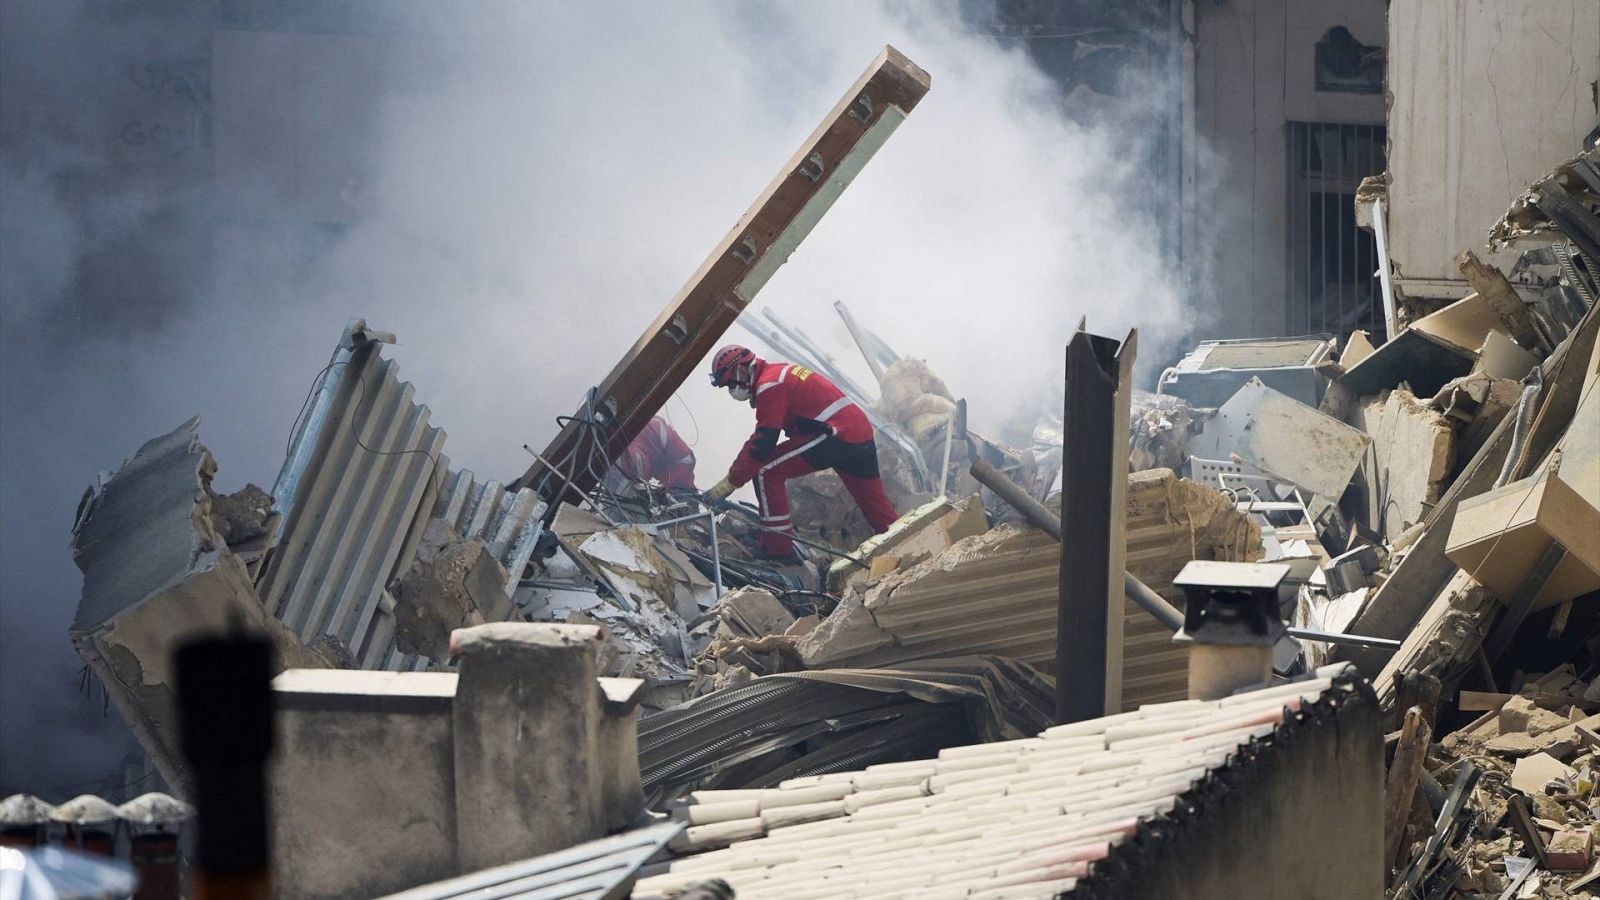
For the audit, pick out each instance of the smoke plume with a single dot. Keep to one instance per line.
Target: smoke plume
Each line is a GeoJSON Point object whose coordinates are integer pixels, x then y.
{"type": "Point", "coordinates": [191, 206]}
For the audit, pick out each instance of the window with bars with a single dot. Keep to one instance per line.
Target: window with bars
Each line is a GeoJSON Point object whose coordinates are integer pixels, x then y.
{"type": "Point", "coordinates": [1333, 283]}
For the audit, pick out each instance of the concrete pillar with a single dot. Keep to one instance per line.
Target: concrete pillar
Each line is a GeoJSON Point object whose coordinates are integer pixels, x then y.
{"type": "Point", "coordinates": [529, 713]}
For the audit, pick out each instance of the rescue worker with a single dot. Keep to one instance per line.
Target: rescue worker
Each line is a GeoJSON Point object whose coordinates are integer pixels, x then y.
{"type": "Point", "coordinates": [659, 452]}
{"type": "Point", "coordinates": [825, 431]}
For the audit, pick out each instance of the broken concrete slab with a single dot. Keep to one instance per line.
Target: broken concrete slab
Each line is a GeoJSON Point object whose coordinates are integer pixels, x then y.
{"type": "Point", "coordinates": [1358, 347]}
{"type": "Point", "coordinates": [452, 583]}
{"type": "Point", "coordinates": [1501, 357]}
{"type": "Point", "coordinates": [1500, 297]}
{"type": "Point", "coordinates": [1465, 323]}
{"type": "Point", "coordinates": [1284, 438]}
{"type": "Point", "coordinates": [916, 536]}
{"type": "Point", "coordinates": [1416, 358]}
{"type": "Point", "coordinates": [1481, 402]}
{"type": "Point", "coordinates": [156, 573]}
{"type": "Point", "coordinates": [1410, 462]}
{"type": "Point", "coordinates": [752, 612]}
{"type": "Point", "coordinates": [1534, 771]}
{"type": "Point", "coordinates": [243, 516]}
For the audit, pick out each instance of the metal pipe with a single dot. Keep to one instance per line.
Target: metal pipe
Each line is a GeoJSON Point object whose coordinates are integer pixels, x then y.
{"type": "Point", "coordinates": [1521, 425]}
{"type": "Point", "coordinates": [1040, 516]}
{"type": "Point", "coordinates": [949, 438]}
{"type": "Point", "coordinates": [1036, 513]}
{"type": "Point", "coordinates": [1355, 640]}
{"type": "Point", "coordinates": [862, 344]}
{"type": "Point", "coordinates": [1380, 231]}
{"type": "Point", "coordinates": [573, 487]}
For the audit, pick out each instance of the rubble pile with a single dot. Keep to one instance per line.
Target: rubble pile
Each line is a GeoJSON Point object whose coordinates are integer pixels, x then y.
{"type": "Point", "coordinates": [1528, 768]}
{"type": "Point", "coordinates": [1158, 432]}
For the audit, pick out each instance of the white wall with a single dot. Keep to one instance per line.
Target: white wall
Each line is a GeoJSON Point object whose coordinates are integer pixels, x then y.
{"type": "Point", "coordinates": [1254, 71]}
{"type": "Point", "coordinates": [1488, 95]}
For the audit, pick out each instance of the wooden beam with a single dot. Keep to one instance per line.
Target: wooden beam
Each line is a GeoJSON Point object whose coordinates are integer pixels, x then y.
{"type": "Point", "coordinates": [692, 324]}
{"type": "Point", "coordinates": [1404, 773]}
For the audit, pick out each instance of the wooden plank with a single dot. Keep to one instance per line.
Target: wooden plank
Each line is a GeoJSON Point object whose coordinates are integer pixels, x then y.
{"type": "Point", "coordinates": [1404, 773]}
{"type": "Point", "coordinates": [692, 324]}
{"type": "Point", "coordinates": [1479, 701]}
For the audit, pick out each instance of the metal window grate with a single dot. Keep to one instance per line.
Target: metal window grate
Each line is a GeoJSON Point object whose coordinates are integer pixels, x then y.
{"type": "Point", "coordinates": [1333, 285]}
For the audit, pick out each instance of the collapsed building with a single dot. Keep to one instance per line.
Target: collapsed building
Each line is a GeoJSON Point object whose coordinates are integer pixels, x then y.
{"type": "Point", "coordinates": [1171, 629]}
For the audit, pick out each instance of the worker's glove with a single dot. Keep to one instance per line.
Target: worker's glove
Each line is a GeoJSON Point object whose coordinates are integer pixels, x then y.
{"type": "Point", "coordinates": [719, 491]}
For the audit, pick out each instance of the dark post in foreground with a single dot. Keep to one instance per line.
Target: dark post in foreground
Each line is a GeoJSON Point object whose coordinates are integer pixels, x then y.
{"type": "Point", "coordinates": [1094, 486]}
{"type": "Point", "coordinates": [225, 715]}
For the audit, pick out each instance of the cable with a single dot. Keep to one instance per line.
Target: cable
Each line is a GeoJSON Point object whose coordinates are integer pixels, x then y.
{"type": "Point", "coordinates": [295, 425]}
{"type": "Point", "coordinates": [692, 420]}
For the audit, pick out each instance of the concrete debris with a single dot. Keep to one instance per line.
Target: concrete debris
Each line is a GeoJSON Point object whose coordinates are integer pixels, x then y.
{"type": "Point", "coordinates": [453, 583]}
{"type": "Point", "coordinates": [156, 572]}
{"type": "Point", "coordinates": [1158, 432]}
{"type": "Point", "coordinates": [1475, 404]}
{"type": "Point", "coordinates": [1539, 796]}
{"type": "Point", "coordinates": [919, 535]}
{"type": "Point", "coordinates": [244, 518]}
{"type": "Point", "coordinates": [752, 612]}
{"type": "Point", "coordinates": [1410, 460]}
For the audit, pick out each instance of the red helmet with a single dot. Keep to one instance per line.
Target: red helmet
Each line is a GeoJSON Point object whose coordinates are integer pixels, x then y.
{"type": "Point", "coordinates": [730, 363]}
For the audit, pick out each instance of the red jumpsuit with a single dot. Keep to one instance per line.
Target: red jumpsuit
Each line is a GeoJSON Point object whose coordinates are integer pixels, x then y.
{"type": "Point", "coordinates": [659, 452]}
{"type": "Point", "coordinates": [825, 431]}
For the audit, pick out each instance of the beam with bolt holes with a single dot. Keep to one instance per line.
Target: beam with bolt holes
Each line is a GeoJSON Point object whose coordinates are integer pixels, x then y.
{"type": "Point", "coordinates": [695, 320]}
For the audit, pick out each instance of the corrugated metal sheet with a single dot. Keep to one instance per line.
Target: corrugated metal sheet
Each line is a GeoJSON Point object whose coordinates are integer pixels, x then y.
{"type": "Point", "coordinates": [361, 465]}
{"type": "Point", "coordinates": [599, 870]}
{"type": "Point", "coordinates": [997, 593]}
{"type": "Point", "coordinates": [364, 475]}
{"type": "Point", "coordinates": [509, 523]}
{"type": "Point", "coordinates": [806, 723]}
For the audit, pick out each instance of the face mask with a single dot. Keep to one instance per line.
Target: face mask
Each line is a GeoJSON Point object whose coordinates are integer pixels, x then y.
{"type": "Point", "coordinates": [740, 392]}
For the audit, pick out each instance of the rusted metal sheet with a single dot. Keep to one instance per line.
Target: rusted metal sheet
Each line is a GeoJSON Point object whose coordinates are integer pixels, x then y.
{"type": "Point", "coordinates": [730, 277]}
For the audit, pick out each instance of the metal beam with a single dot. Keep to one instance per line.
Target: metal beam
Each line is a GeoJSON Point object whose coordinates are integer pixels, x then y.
{"type": "Point", "coordinates": [691, 325]}
{"type": "Point", "coordinates": [1094, 468]}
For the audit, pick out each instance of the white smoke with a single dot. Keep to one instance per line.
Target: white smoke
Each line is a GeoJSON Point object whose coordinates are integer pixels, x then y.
{"type": "Point", "coordinates": [526, 187]}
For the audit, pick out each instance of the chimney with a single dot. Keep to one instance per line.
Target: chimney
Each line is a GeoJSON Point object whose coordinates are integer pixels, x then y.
{"type": "Point", "coordinates": [1231, 621]}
